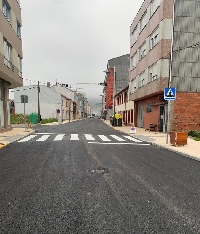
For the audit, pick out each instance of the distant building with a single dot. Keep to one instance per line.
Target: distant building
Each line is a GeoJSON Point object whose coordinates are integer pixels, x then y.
{"type": "Point", "coordinates": [152, 37]}
{"type": "Point", "coordinates": [10, 56]}
{"type": "Point", "coordinates": [116, 79]}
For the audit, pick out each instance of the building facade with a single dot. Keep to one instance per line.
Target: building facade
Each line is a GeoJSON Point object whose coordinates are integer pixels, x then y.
{"type": "Point", "coordinates": [153, 35]}
{"type": "Point", "coordinates": [116, 79]}
{"type": "Point", "coordinates": [125, 107]}
{"type": "Point", "coordinates": [50, 101]}
{"type": "Point", "coordinates": [10, 56]}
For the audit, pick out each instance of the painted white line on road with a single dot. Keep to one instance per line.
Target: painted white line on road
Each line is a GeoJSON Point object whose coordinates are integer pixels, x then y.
{"type": "Point", "coordinates": [117, 138]}
{"type": "Point", "coordinates": [132, 139]}
{"type": "Point", "coordinates": [108, 143]}
{"type": "Point", "coordinates": [28, 138]}
{"type": "Point", "coordinates": [59, 137]}
{"type": "Point", "coordinates": [74, 137]}
{"type": "Point", "coordinates": [44, 133]}
{"type": "Point", "coordinates": [89, 137]}
{"type": "Point", "coordinates": [43, 138]}
{"type": "Point", "coordinates": [104, 138]}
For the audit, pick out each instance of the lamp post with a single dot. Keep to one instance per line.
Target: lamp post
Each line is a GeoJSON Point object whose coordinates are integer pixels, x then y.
{"type": "Point", "coordinates": [101, 105]}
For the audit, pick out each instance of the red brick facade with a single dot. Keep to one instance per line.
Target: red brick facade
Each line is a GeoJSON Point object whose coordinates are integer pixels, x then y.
{"type": "Point", "coordinates": [110, 88]}
{"type": "Point", "coordinates": [186, 114]}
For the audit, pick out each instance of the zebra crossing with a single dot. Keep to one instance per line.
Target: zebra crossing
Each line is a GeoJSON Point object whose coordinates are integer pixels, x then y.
{"type": "Point", "coordinates": [106, 139]}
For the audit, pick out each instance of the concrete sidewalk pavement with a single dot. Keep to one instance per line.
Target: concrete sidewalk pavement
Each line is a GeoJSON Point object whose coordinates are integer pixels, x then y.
{"type": "Point", "coordinates": [192, 149]}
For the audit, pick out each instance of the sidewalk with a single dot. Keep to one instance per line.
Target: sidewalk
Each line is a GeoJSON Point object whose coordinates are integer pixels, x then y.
{"type": "Point", "coordinates": [18, 132]}
{"type": "Point", "coordinates": [192, 149]}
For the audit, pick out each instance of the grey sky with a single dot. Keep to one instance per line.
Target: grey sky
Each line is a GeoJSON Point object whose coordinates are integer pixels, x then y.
{"type": "Point", "coordinates": [71, 40]}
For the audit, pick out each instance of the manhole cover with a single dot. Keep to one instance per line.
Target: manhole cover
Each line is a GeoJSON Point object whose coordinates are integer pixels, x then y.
{"type": "Point", "coordinates": [99, 170]}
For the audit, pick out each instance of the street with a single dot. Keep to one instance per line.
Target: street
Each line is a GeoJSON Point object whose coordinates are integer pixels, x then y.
{"type": "Point", "coordinates": [86, 177]}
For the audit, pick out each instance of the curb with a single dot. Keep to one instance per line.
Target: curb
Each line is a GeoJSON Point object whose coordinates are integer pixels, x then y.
{"type": "Point", "coordinates": [2, 145]}
{"type": "Point", "coordinates": [161, 146]}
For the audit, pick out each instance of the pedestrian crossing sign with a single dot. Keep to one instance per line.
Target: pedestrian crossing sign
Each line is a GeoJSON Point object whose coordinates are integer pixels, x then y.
{"type": "Point", "coordinates": [170, 94]}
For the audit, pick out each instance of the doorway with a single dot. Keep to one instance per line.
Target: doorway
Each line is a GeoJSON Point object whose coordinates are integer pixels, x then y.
{"type": "Point", "coordinates": [140, 121]}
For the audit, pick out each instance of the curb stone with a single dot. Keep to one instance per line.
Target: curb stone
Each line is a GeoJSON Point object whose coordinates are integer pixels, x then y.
{"type": "Point", "coordinates": [161, 146]}
{"type": "Point", "coordinates": [4, 145]}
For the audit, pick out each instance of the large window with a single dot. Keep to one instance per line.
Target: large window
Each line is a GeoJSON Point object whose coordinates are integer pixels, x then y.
{"type": "Point", "coordinates": [18, 29]}
{"type": "Point", "coordinates": [6, 10]}
{"type": "Point", "coordinates": [133, 61]}
{"type": "Point", "coordinates": [19, 66]}
{"type": "Point", "coordinates": [134, 35]}
{"type": "Point", "coordinates": [7, 54]}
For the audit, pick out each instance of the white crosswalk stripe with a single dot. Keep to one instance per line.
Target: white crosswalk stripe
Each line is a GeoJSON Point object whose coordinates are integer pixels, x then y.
{"type": "Point", "coordinates": [28, 138]}
{"type": "Point", "coordinates": [59, 137]}
{"type": "Point", "coordinates": [132, 139]}
{"type": "Point", "coordinates": [117, 138]}
{"type": "Point", "coordinates": [74, 137]}
{"type": "Point", "coordinates": [43, 138]}
{"type": "Point", "coordinates": [89, 137]}
{"type": "Point", "coordinates": [104, 138]}
{"type": "Point", "coordinates": [101, 139]}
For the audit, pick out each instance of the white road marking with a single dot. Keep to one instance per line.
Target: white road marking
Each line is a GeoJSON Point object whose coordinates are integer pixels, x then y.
{"type": "Point", "coordinates": [28, 138]}
{"type": "Point", "coordinates": [132, 139]}
{"type": "Point", "coordinates": [89, 137]}
{"type": "Point", "coordinates": [47, 133]}
{"type": "Point", "coordinates": [43, 138]}
{"type": "Point", "coordinates": [104, 138]}
{"type": "Point", "coordinates": [74, 137]}
{"type": "Point", "coordinates": [59, 137]}
{"type": "Point", "coordinates": [111, 143]}
{"type": "Point", "coordinates": [117, 138]}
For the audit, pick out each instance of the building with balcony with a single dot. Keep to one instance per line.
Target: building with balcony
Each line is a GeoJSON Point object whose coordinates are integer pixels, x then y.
{"type": "Point", "coordinates": [162, 26]}
{"type": "Point", "coordinates": [10, 56]}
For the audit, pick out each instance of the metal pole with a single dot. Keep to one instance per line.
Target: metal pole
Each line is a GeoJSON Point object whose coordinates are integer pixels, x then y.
{"type": "Point", "coordinates": [114, 95]}
{"type": "Point", "coordinates": [24, 115]}
{"type": "Point", "coordinates": [170, 74]}
{"type": "Point", "coordinates": [38, 102]}
{"type": "Point", "coordinates": [69, 110]}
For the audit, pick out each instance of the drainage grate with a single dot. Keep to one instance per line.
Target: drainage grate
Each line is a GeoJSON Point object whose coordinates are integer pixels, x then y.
{"type": "Point", "coordinates": [99, 170]}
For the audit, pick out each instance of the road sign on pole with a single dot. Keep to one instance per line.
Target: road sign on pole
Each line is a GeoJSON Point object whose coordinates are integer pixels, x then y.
{"type": "Point", "coordinates": [170, 94]}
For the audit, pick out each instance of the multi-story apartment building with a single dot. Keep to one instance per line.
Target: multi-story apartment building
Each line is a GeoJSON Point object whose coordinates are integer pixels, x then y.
{"type": "Point", "coordinates": [10, 55]}
{"type": "Point", "coordinates": [117, 77]}
{"type": "Point", "coordinates": [159, 26]}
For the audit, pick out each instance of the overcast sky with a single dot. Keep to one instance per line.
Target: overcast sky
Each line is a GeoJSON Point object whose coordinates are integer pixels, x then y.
{"type": "Point", "coordinates": [72, 40]}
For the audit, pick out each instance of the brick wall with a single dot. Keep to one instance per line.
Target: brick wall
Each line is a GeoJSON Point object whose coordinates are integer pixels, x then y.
{"type": "Point", "coordinates": [186, 112]}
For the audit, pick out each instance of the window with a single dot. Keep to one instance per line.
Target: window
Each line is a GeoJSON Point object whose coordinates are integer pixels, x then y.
{"type": "Point", "coordinates": [142, 79]}
{"type": "Point", "coordinates": [149, 107]}
{"type": "Point", "coordinates": [134, 35]}
{"type": "Point", "coordinates": [18, 29]}
{"type": "Point", "coordinates": [142, 51]}
{"type": "Point", "coordinates": [19, 66]}
{"type": "Point", "coordinates": [143, 21]}
{"type": "Point", "coordinates": [7, 54]}
{"type": "Point", "coordinates": [153, 73]}
{"type": "Point", "coordinates": [133, 61]}
{"type": "Point", "coordinates": [154, 6]}
{"type": "Point", "coordinates": [7, 10]}
{"type": "Point", "coordinates": [154, 39]}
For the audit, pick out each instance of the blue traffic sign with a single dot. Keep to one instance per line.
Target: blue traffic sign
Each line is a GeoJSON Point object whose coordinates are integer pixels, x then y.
{"type": "Point", "coordinates": [170, 94]}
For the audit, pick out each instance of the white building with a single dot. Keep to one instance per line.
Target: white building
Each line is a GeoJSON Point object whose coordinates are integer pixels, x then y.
{"type": "Point", "coordinates": [50, 101]}
{"type": "Point", "coordinates": [67, 100]}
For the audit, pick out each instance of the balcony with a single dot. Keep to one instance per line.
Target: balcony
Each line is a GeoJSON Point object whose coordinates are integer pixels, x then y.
{"type": "Point", "coordinates": [152, 88]}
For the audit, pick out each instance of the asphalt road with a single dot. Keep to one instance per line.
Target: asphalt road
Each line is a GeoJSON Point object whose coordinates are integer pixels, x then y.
{"type": "Point", "coordinates": [93, 182]}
